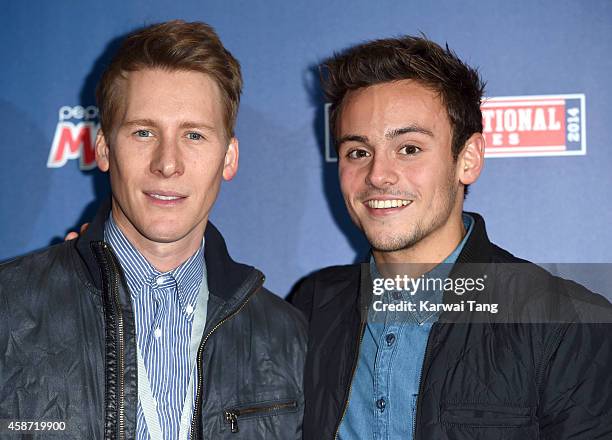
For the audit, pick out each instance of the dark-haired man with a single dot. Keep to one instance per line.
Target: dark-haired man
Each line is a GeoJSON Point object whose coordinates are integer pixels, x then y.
{"type": "Point", "coordinates": [145, 327]}
{"type": "Point", "coordinates": [525, 356]}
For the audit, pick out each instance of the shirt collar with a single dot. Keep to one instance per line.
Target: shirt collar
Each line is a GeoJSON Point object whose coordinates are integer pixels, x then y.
{"type": "Point", "coordinates": [468, 223]}
{"type": "Point", "coordinates": [139, 272]}
{"type": "Point", "coordinates": [442, 271]}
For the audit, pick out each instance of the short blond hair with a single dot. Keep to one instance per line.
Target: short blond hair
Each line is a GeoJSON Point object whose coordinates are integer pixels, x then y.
{"type": "Point", "coordinates": [173, 45]}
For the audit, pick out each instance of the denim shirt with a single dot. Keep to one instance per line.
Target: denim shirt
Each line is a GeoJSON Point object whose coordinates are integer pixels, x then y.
{"type": "Point", "coordinates": [382, 403]}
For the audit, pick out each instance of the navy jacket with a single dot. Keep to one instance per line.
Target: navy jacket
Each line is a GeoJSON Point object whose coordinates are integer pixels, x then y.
{"type": "Point", "coordinates": [539, 369]}
{"type": "Point", "coordinates": [68, 347]}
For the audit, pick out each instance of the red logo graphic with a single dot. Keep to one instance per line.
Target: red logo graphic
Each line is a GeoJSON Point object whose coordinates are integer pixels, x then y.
{"type": "Point", "coordinates": [552, 125]}
{"type": "Point", "coordinates": [75, 140]}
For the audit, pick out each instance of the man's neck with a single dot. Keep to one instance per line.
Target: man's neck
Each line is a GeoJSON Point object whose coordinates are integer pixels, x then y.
{"type": "Point", "coordinates": [162, 256]}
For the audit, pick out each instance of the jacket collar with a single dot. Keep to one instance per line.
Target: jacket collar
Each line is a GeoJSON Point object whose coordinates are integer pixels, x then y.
{"type": "Point", "coordinates": [225, 276]}
{"type": "Point", "coordinates": [346, 279]}
{"type": "Point", "coordinates": [478, 248]}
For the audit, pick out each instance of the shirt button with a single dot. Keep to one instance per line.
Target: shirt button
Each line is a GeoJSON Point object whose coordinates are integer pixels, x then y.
{"type": "Point", "coordinates": [189, 309]}
{"type": "Point", "coordinates": [157, 332]}
{"type": "Point", "coordinates": [160, 281]}
{"type": "Point", "coordinates": [380, 404]}
{"type": "Point", "coordinates": [390, 338]}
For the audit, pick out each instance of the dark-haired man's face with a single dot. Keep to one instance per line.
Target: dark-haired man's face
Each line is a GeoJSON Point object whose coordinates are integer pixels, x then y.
{"type": "Point", "coordinates": [400, 183]}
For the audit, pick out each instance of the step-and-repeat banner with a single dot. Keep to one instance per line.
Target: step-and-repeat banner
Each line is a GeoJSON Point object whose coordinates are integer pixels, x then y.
{"type": "Point", "coordinates": [546, 191]}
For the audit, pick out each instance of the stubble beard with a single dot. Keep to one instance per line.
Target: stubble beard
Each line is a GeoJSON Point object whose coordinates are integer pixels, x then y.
{"type": "Point", "coordinates": [402, 240]}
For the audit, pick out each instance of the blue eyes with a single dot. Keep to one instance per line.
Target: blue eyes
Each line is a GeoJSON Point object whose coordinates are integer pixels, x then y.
{"type": "Point", "coordinates": [143, 133]}
{"type": "Point", "coordinates": [192, 136]}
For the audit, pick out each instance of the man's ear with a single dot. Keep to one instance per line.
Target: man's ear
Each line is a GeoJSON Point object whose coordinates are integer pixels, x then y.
{"type": "Point", "coordinates": [471, 160]}
{"type": "Point", "coordinates": [102, 152]}
{"type": "Point", "coordinates": [230, 165]}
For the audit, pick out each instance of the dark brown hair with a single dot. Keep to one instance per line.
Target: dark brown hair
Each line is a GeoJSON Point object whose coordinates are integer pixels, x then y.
{"type": "Point", "coordinates": [173, 45]}
{"type": "Point", "coordinates": [417, 58]}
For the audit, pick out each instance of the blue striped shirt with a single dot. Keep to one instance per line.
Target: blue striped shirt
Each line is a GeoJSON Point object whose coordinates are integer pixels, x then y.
{"type": "Point", "coordinates": [163, 305]}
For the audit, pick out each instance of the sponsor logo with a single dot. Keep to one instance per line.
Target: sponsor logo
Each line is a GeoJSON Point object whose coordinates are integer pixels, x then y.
{"type": "Point", "coordinates": [74, 137]}
{"type": "Point", "coordinates": [551, 125]}
{"type": "Point", "coordinates": [519, 126]}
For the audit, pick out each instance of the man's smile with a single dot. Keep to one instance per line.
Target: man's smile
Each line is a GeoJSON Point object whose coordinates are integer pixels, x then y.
{"type": "Point", "coordinates": [387, 203]}
{"type": "Point", "coordinates": [385, 206]}
{"type": "Point", "coordinates": [164, 198]}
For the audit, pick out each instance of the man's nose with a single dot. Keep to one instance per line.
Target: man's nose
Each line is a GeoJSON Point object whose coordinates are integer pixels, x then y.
{"type": "Point", "coordinates": [382, 172]}
{"type": "Point", "coordinates": [167, 159]}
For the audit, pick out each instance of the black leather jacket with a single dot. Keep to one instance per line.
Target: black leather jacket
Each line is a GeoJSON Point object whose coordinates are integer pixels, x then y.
{"type": "Point", "coordinates": [68, 347]}
{"type": "Point", "coordinates": [532, 372]}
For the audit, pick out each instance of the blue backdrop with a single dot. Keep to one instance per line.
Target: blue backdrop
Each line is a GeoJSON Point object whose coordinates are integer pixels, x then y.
{"type": "Point", "coordinates": [283, 212]}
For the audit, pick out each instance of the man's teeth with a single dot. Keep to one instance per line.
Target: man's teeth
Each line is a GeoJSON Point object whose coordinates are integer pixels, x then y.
{"type": "Point", "coordinates": [160, 197]}
{"type": "Point", "coordinates": [379, 204]}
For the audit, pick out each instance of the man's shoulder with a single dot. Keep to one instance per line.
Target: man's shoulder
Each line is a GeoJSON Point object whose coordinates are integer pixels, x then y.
{"type": "Point", "coordinates": [50, 267]}
{"type": "Point", "coordinates": [282, 313]}
{"type": "Point", "coordinates": [534, 286]}
{"type": "Point", "coordinates": [41, 284]}
{"type": "Point", "coordinates": [38, 260]}
{"type": "Point", "coordinates": [323, 285]}
{"type": "Point", "coordinates": [332, 278]}
{"type": "Point", "coordinates": [276, 304]}
{"type": "Point", "coordinates": [335, 274]}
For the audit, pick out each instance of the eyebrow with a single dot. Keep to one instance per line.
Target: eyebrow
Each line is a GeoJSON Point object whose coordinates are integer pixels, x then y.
{"type": "Point", "coordinates": [391, 134]}
{"type": "Point", "coordinates": [409, 129]}
{"type": "Point", "coordinates": [352, 138]}
{"type": "Point", "coordinates": [185, 124]}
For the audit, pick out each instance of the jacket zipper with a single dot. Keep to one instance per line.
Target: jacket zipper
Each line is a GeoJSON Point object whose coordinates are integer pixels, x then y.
{"type": "Point", "coordinates": [195, 435]}
{"type": "Point", "coordinates": [420, 392]}
{"type": "Point", "coordinates": [362, 325]}
{"type": "Point", "coordinates": [120, 344]}
{"type": "Point", "coordinates": [231, 416]}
